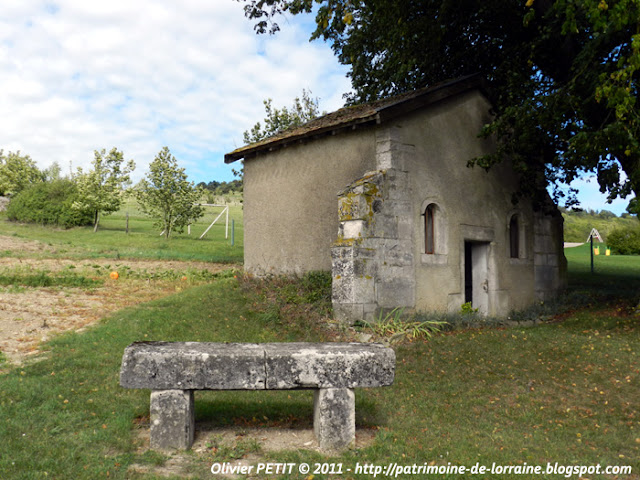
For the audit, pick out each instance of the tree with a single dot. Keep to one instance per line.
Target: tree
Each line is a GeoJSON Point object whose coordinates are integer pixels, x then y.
{"type": "Point", "coordinates": [17, 172]}
{"type": "Point", "coordinates": [278, 120]}
{"type": "Point", "coordinates": [634, 207]}
{"type": "Point", "coordinates": [562, 75]}
{"type": "Point", "coordinates": [101, 189]}
{"type": "Point", "coordinates": [166, 195]}
{"type": "Point", "coordinates": [53, 172]}
{"type": "Point", "coordinates": [606, 214]}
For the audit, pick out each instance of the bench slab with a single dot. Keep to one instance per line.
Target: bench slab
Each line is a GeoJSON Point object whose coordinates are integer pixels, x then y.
{"type": "Point", "coordinates": [248, 366]}
{"type": "Point", "coordinates": [173, 370]}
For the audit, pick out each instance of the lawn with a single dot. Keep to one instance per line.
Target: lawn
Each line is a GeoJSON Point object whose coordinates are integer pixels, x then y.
{"type": "Point", "coordinates": [564, 391]}
{"type": "Point", "coordinates": [614, 275]}
{"type": "Point", "coordinates": [143, 239]}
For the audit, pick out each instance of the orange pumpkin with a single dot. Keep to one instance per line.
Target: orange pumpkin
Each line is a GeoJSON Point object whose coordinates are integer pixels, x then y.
{"type": "Point", "coordinates": [114, 275]}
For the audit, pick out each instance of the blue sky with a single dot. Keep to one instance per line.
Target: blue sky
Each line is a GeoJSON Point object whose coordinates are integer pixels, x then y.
{"type": "Point", "coordinates": [81, 75]}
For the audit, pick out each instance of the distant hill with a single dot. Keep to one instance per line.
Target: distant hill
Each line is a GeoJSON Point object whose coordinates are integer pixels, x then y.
{"type": "Point", "coordinates": [578, 225]}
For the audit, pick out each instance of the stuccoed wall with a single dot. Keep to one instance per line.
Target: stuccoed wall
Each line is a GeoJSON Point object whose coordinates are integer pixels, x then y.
{"type": "Point", "coordinates": [353, 203]}
{"type": "Point", "coordinates": [473, 205]}
{"type": "Point", "coordinates": [378, 259]}
{"type": "Point", "coordinates": [290, 201]}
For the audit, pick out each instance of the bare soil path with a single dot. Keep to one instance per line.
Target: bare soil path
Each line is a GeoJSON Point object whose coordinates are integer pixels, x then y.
{"type": "Point", "coordinates": [29, 316]}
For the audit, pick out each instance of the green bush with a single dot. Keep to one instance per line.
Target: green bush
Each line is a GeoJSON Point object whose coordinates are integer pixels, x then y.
{"type": "Point", "coordinates": [625, 241]}
{"type": "Point", "coordinates": [49, 203]}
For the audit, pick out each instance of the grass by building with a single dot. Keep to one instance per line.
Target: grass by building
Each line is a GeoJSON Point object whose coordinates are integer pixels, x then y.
{"type": "Point", "coordinates": [563, 391]}
{"type": "Point", "coordinates": [143, 239]}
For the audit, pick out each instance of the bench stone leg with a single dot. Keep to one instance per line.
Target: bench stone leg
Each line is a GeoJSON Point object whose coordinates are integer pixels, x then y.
{"type": "Point", "coordinates": [172, 419]}
{"type": "Point", "coordinates": [334, 418]}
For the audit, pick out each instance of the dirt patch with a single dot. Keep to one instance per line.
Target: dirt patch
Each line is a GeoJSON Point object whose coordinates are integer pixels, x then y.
{"type": "Point", "coordinates": [261, 444]}
{"type": "Point", "coordinates": [13, 244]}
{"type": "Point", "coordinates": [30, 316]}
{"type": "Point", "coordinates": [150, 266]}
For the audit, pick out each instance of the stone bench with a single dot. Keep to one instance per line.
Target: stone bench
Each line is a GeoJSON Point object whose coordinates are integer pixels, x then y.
{"type": "Point", "coordinates": [174, 370]}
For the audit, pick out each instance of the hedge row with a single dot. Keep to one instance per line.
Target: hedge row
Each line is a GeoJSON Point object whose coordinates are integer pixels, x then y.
{"type": "Point", "coordinates": [49, 203]}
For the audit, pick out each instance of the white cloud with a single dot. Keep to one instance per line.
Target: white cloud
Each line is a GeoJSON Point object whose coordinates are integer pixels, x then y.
{"type": "Point", "coordinates": [79, 76]}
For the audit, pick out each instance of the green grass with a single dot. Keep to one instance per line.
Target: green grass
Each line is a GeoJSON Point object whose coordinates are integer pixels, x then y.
{"type": "Point", "coordinates": [614, 275]}
{"type": "Point", "coordinates": [565, 391]}
{"type": "Point", "coordinates": [562, 392]}
{"type": "Point", "coordinates": [46, 279]}
{"type": "Point", "coordinates": [71, 407]}
{"type": "Point", "coordinates": [142, 241]}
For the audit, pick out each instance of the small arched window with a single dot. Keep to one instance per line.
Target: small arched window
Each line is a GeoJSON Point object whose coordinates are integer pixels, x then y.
{"type": "Point", "coordinates": [514, 237]}
{"type": "Point", "coordinates": [430, 228]}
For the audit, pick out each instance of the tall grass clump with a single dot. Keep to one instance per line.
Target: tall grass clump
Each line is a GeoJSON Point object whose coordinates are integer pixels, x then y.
{"type": "Point", "coordinates": [396, 325]}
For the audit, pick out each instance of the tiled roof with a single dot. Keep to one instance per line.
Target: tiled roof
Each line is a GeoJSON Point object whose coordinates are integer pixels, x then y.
{"type": "Point", "coordinates": [358, 115]}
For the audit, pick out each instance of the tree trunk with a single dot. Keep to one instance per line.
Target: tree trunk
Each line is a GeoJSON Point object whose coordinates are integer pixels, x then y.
{"type": "Point", "coordinates": [95, 223]}
{"type": "Point", "coordinates": [167, 228]}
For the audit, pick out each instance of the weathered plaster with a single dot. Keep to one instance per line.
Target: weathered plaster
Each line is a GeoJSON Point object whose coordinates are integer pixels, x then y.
{"type": "Point", "coordinates": [354, 203]}
{"type": "Point", "coordinates": [290, 197]}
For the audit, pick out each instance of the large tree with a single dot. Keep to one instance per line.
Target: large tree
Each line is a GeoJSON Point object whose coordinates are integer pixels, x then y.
{"type": "Point", "coordinates": [101, 189]}
{"type": "Point", "coordinates": [166, 195]}
{"type": "Point", "coordinates": [562, 75]}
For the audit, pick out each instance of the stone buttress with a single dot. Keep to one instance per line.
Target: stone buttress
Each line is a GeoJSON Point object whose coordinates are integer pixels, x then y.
{"type": "Point", "coordinates": [372, 259]}
{"type": "Point", "coordinates": [550, 264]}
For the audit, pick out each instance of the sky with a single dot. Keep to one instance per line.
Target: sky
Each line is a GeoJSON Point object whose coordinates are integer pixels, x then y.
{"type": "Point", "coordinates": [79, 76]}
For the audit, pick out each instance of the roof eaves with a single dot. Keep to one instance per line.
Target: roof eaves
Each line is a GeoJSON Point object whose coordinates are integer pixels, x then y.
{"type": "Point", "coordinates": [275, 143]}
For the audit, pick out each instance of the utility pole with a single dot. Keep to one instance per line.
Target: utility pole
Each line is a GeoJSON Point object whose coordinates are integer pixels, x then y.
{"type": "Point", "coordinates": [591, 238]}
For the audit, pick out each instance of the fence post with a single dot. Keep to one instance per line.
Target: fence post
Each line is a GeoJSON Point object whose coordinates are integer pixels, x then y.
{"type": "Point", "coordinates": [226, 228]}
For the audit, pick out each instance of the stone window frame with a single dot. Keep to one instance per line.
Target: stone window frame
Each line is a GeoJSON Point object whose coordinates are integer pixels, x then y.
{"type": "Point", "coordinates": [521, 256]}
{"type": "Point", "coordinates": [440, 230]}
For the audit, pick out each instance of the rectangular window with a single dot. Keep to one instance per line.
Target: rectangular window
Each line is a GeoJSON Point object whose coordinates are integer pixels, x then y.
{"type": "Point", "coordinates": [429, 220]}
{"type": "Point", "coordinates": [514, 237]}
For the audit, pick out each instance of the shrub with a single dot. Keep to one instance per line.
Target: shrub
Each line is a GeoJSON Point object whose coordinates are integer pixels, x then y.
{"type": "Point", "coordinates": [625, 241]}
{"type": "Point", "coordinates": [49, 203]}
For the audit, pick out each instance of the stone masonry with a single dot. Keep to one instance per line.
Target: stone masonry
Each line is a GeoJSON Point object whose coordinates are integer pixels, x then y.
{"type": "Point", "coordinates": [372, 259]}
{"type": "Point", "coordinates": [550, 265]}
{"type": "Point", "coordinates": [174, 370]}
